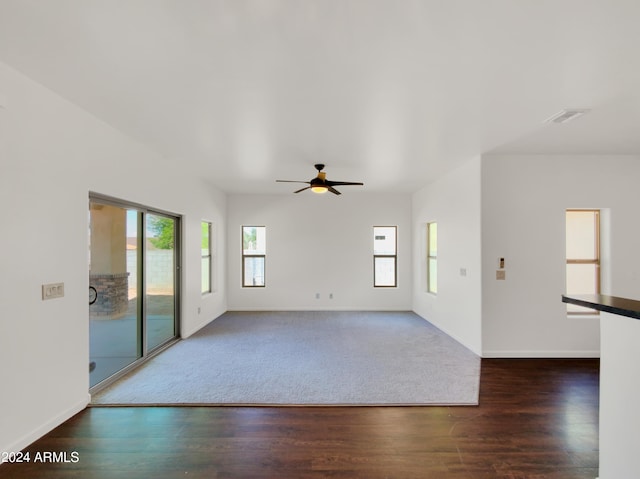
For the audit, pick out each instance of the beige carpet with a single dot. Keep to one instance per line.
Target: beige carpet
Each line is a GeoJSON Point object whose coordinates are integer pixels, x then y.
{"type": "Point", "coordinates": [306, 358]}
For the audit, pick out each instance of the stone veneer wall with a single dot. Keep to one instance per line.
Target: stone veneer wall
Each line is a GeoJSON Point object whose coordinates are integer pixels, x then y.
{"type": "Point", "coordinates": [113, 295]}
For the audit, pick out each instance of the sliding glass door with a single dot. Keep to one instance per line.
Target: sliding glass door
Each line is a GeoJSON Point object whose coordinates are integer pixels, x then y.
{"type": "Point", "coordinates": [115, 326]}
{"type": "Point", "coordinates": [133, 285]}
{"type": "Point", "coordinates": [160, 267]}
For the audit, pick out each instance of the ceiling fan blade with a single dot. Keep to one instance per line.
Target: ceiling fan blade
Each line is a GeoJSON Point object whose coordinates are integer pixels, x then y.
{"type": "Point", "coordinates": [302, 189]}
{"type": "Point", "coordinates": [333, 190]}
{"type": "Point", "coordinates": [337, 183]}
{"type": "Point", "coordinates": [291, 181]}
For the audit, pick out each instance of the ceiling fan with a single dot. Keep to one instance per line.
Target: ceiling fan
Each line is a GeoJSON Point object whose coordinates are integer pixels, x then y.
{"type": "Point", "coordinates": [320, 184]}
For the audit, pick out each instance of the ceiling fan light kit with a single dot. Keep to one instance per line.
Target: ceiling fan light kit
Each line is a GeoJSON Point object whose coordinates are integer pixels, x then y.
{"type": "Point", "coordinates": [320, 184]}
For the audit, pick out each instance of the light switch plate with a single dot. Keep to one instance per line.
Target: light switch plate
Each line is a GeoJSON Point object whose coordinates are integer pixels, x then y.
{"type": "Point", "coordinates": [52, 290]}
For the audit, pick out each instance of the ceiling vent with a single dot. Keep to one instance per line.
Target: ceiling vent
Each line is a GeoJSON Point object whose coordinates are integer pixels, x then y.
{"type": "Point", "coordinates": [564, 116]}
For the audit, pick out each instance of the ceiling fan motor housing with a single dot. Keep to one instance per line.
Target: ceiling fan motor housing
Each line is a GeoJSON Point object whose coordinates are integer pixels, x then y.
{"type": "Point", "coordinates": [318, 185]}
{"type": "Point", "coordinates": [320, 179]}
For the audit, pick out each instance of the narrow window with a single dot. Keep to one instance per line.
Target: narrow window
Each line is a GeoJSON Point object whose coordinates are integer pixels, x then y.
{"type": "Point", "coordinates": [253, 256]}
{"type": "Point", "coordinates": [385, 256]}
{"type": "Point", "coordinates": [583, 255]}
{"type": "Point", "coordinates": [432, 257]}
{"type": "Point", "coordinates": [206, 262]}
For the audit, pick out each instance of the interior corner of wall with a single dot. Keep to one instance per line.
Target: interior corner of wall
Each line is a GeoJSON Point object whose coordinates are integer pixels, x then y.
{"type": "Point", "coordinates": [35, 434]}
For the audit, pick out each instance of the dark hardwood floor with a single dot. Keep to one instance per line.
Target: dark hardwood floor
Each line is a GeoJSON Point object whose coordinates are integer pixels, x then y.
{"type": "Point", "coordinates": [537, 419]}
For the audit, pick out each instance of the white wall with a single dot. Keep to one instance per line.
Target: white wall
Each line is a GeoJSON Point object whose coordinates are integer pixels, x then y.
{"type": "Point", "coordinates": [454, 203]}
{"type": "Point", "coordinates": [51, 155]}
{"type": "Point", "coordinates": [523, 206]}
{"type": "Point", "coordinates": [319, 244]}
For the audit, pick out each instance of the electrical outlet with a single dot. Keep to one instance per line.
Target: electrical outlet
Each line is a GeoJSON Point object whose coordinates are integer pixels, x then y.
{"type": "Point", "coordinates": [52, 290]}
{"type": "Point", "coordinates": [463, 271]}
{"type": "Point", "coordinates": [330, 295]}
{"type": "Point", "coordinates": [317, 295]}
{"type": "Point", "coordinates": [501, 274]}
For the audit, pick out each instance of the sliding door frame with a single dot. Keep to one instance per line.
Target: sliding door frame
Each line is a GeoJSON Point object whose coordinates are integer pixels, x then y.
{"type": "Point", "coordinates": [142, 279]}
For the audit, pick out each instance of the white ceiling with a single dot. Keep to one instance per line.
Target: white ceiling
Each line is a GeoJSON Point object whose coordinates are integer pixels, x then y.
{"type": "Point", "coordinates": [389, 92]}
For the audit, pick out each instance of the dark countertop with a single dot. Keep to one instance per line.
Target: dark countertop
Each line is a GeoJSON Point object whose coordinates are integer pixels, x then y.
{"type": "Point", "coordinates": [609, 304]}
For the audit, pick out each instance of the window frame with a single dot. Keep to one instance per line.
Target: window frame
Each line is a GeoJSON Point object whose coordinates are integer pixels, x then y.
{"type": "Point", "coordinates": [209, 256]}
{"type": "Point", "coordinates": [261, 255]}
{"type": "Point", "coordinates": [594, 261]}
{"type": "Point", "coordinates": [431, 257]}
{"type": "Point", "coordinates": [393, 256]}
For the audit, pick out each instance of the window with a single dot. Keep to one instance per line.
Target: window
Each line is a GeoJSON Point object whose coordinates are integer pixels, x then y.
{"type": "Point", "coordinates": [384, 256]}
{"type": "Point", "coordinates": [253, 256]}
{"type": "Point", "coordinates": [432, 257]}
{"type": "Point", "coordinates": [583, 255]}
{"type": "Point", "coordinates": [206, 262]}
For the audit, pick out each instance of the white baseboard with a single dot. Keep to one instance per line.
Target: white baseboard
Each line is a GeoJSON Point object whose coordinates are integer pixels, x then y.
{"type": "Point", "coordinates": [186, 333]}
{"type": "Point", "coordinates": [314, 308]}
{"type": "Point", "coordinates": [451, 335]}
{"type": "Point", "coordinates": [540, 354]}
{"type": "Point", "coordinates": [54, 422]}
